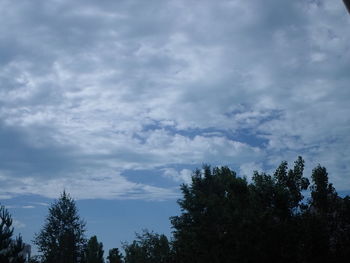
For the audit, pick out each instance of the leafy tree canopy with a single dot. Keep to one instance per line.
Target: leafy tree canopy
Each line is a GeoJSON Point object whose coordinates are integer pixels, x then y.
{"type": "Point", "coordinates": [148, 247]}
{"type": "Point", "coordinates": [225, 218]}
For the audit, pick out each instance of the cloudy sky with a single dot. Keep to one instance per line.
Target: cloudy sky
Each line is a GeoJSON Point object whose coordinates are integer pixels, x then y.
{"type": "Point", "coordinates": [118, 101]}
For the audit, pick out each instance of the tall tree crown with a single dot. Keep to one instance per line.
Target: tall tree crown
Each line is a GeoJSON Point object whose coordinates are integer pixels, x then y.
{"type": "Point", "coordinates": [62, 238]}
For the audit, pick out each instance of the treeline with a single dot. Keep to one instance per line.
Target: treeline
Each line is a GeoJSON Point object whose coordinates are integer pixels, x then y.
{"type": "Point", "coordinates": [224, 218]}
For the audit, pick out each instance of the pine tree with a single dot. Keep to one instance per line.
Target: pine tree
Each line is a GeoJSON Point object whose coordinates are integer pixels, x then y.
{"type": "Point", "coordinates": [62, 239]}
{"type": "Point", "coordinates": [94, 251]}
{"type": "Point", "coordinates": [10, 250]}
{"type": "Point", "coordinates": [6, 232]}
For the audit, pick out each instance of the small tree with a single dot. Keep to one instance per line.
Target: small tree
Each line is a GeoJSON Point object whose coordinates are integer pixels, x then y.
{"type": "Point", "coordinates": [16, 249]}
{"type": "Point", "coordinates": [6, 232]}
{"type": "Point", "coordinates": [94, 251]}
{"type": "Point", "coordinates": [62, 239]}
{"type": "Point", "coordinates": [148, 248]}
{"type": "Point", "coordinates": [114, 256]}
{"type": "Point", "coordinates": [10, 250]}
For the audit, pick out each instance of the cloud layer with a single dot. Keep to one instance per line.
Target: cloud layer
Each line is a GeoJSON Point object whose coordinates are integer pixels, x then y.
{"type": "Point", "coordinates": [90, 90]}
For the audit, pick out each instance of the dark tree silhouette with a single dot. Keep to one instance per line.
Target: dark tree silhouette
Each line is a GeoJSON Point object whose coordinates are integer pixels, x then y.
{"type": "Point", "coordinates": [114, 256]}
{"type": "Point", "coordinates": [94, 251]}
{"type": "Point", "coordinates": [226, 219]}
{"type": "Point", "coordinates": [62, 239]}
{"type": "Point", "coordinates": [10, 249]}
{"type": "Point", "coordinates": [216, 209]}
{"type": "Point", "coordinates": [326, 222]}
{"type": "Point", "coordinates": [148, 248]}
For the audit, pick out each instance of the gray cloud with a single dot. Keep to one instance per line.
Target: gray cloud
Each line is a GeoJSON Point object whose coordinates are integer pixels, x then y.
{"type": "Point", "coordinates": [89, 90]}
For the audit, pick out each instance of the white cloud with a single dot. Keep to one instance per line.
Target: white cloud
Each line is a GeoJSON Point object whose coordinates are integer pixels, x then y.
{"type": "Point", "coordinates": [129, 85]}
{"type": "Point", "coordinates": [40, 203]}
{"type": "Point", "coordinates": [3, 196]}
{"type": "Point", "coordinates": [28, 206]}
{"type": "Point", "coordinates": [247, 169]}
{"type": "Point", "coordinates": [20, 206]}
{"type": "Point", "coordinates": [182, 176]}
{"type": "Point", "coordinates": [18, 224]}
{"type": "Point", "coordinates": [96, 185]}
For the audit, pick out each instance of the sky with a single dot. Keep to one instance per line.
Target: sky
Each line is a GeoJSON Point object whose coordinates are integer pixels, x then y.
{"type": "Point", "coordinates": [118, 101]}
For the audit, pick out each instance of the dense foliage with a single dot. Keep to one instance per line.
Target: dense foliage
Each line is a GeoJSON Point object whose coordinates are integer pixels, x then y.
{"type": "Point", "coordinates": [114, 256]}
{"type": "Point", "coordinates": [148, 248]}
{"type": "Point", "coordinates": [62, 239]}
{"type": "Point", "coordinates": [226, 219]}
{"type": "Point", "coordinates": [94, 251]}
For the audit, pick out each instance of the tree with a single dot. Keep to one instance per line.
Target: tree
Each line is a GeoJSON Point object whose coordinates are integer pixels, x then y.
{"type": "Point", "coordinates": [148, 248]}
{"type": "Point", "coordinates": [226, 219]}
{"type": "Point", "coordinates": [6, 232]}
{"type": "Point", "coordinates": [62, 238]}
{"type": "Point", "coordinates": [94, 251]}
{"type": "Point", "coordinates": [323, 195]}
{"type": "Point", "coordinates": [10, 250]}
{"type": "Point", "coordinates": [277, 207]}
{"type": "Point", "coordinates": [326, 222]}
{"type": "Point", "coordinates": [215, 222]}
{"type": "Point", "coordinates": [16, 248]}
{"type": "Point", "coordinates": [114, 256]}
